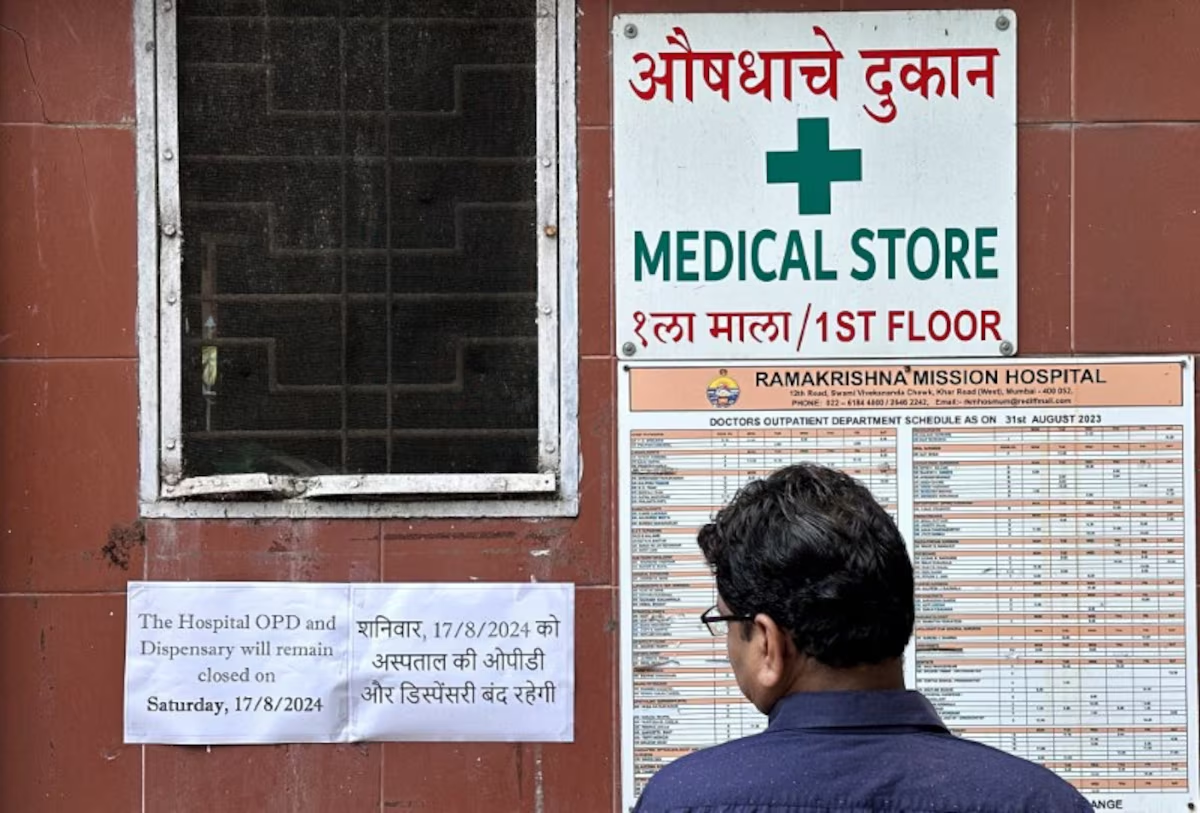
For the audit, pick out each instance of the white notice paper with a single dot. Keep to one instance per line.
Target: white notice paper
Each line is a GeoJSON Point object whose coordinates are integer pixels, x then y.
{"type": "Point", "coordinates": [814, 185]}
{"type": "Point", "coordinates": [271, 662]}
{"type": "Point", "coordinates": [454, 660]}
{"type": "Point", "coordinates": [235, 662]}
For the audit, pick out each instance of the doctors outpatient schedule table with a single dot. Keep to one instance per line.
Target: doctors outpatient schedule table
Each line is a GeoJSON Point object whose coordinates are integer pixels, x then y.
{"type": "Point", "coordinates": [1048, 509]}
{"type": "Point", "coordinates": [1051, 595]}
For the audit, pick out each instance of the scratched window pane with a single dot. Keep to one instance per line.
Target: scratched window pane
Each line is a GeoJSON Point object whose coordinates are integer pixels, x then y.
{"type": "Point", "coordinates": [359, 268]}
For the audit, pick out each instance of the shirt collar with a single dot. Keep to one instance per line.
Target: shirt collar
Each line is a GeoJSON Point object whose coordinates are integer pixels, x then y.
{"type": "Point", "coordinates": [863, 709]}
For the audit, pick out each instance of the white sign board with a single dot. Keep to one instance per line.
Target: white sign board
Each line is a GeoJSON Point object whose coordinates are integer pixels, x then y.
{"type": "Point", "coordinates": [1048, 508]}
{"type": "Point", "coordinates": [275, 662]}
{"type": "Point", "coordinates": [825, 185]}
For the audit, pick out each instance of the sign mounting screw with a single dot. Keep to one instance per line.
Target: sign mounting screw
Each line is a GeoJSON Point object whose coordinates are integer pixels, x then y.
{"type": "Point", "coordinates": [1006, 348]}
{"type": "Point", "coordinates": [1002, 23]}
{"type": "Point", "coordinates": [630, 30]}
{"type": "Point", "coordinates": [629, 348]}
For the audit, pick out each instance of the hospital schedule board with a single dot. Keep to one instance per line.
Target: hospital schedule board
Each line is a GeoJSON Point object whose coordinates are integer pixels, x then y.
{"type": "Point", "coordinates": [1048, 509]}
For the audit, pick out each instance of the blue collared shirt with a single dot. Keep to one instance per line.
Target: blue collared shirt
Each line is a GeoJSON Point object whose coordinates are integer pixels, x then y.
{"type": "Point", "coordinates": [856, 752]}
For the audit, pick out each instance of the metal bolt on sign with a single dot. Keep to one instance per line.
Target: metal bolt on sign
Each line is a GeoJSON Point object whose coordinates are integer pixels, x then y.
{"type": "Point", "coordinates": [630, 30]}
{"type": "Point", "coordinates": [1006, 348]}
{"type": "Point", "coordinates": [629, 348]}
{"type": "Point", "coordinates": [1002, 23]}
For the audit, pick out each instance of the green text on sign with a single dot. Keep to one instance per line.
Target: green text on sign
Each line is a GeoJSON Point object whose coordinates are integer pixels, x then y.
{"type": "Point", "coordinates": [766, 255]}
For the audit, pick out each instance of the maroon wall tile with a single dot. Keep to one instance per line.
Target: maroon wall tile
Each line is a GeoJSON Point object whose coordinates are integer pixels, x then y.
{"type": "Point", "coordinates": [61, 729]}
{"type": "Point", "coordinates": [596, 528]}
{"type": "Point", "coordinates": [66, 61]}
{"type": "Point", "coordinates": [1137, 61]}
{"type": "Point", "coordinates": [263, 779]}
{"type": "Point", "coordinates": [583, 776]}
{"type": "Point", "coordinates": [595, 243]}
{"type": "Point", "coordinates": [68, 493]}
{"type": "Point", "coordinates": [459, 777]}
{"type": "Point", "coordinates": [300, 551]}
{"type": "Point", "coordinates": [594, 89]}
{"type": "Point", "coordinates": [458, 550]}
{"type": "Point", "coordinates": [1137, 236]}
{"type": "Point", "coordinates": [67, 242]}
{"type": "Point", "coordinates": [1044, 233]}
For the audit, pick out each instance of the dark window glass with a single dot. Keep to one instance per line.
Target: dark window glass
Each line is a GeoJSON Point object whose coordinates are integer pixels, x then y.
{"type": "Point", "coordinates": [359, 262]}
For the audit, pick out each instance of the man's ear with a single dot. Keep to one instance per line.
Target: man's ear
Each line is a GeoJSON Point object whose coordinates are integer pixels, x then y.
{"type": "Point", "coordinates": [772, 647]}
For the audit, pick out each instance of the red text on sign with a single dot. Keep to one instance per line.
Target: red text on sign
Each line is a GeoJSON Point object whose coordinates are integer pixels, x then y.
{"type": "Point", "coordinates": [940, 326]}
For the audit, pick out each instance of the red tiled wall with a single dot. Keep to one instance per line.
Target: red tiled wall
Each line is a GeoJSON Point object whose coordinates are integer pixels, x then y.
{"type": "Point", "coordinates": [68, 403]}
{"type": "Point", "coordinates": [1109, 192]}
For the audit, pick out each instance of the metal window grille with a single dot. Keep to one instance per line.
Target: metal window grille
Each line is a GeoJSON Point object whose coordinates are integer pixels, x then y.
{"type": "Point", "coordinates": [358, 235]}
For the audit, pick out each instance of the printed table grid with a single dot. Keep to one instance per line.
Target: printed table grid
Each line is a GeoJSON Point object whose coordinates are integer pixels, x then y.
{"type": "Point", "coordinates": [1050, 595]}
{"type": "Point", "coordinates": [680, 479]}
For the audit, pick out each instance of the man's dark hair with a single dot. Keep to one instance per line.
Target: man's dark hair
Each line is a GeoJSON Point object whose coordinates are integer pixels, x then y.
{"type": "Point", "coordinates": [811, 548]}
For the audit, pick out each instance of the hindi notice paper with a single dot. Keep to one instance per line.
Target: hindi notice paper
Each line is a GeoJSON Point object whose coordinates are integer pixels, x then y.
{"type": "Point", "coordinates": [271, 662]}
{"type": "Point", "coordinates": [456, 661]}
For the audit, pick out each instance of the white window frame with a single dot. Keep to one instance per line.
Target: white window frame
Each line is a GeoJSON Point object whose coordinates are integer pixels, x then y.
{"type": "Point", "coordinates": [163, 492]}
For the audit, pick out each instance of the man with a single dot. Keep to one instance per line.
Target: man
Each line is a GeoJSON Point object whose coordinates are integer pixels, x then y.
{"type": "Point", "coordinates": [816, 604]}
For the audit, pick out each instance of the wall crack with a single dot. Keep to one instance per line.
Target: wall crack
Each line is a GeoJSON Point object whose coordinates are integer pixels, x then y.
{"type": "Point", "coordinates": [29, 67]}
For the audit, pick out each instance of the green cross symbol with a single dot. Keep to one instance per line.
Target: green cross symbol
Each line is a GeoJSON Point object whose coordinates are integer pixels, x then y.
{"type": "Point", "coordinates": [813, 166]}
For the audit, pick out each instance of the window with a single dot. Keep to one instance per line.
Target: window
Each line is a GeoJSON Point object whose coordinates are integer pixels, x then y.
{"type": "Point", "coordinates": [357, 257]}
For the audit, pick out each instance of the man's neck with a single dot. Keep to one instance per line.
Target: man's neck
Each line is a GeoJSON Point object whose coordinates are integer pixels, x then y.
{"type": "Point", "coordinates": [817, 677]}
